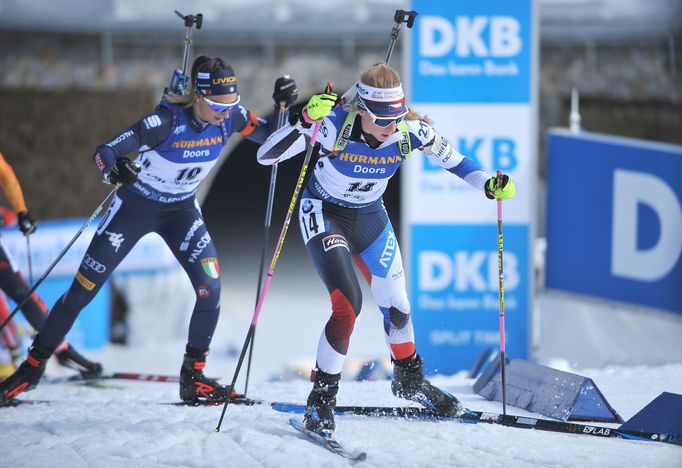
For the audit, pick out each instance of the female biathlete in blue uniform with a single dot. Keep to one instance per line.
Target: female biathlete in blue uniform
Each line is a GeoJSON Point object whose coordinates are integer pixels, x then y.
{"type": "Point", "coordinates": [178, 145]}
{"type": "Point", "coordinates": [343, 220]}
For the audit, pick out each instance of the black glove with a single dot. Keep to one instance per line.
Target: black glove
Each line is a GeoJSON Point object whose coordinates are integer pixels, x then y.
{"type": "Point", "coordinates": [285, 91]}
{"type": "Point", "coordinates": [26, 223]}
{"type": "Point", "coordinates": [124, 172]}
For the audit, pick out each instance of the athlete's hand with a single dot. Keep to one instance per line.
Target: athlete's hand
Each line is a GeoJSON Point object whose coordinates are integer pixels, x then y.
{"type": "Point", "coordinates": [494, 189]}
{"type": "Point", "coordinates": [124, 172]}
{"type": "Point", "coordinates": [320, 106]}
{"type": "Point", "coordinates": [286, 91]}
{"type": "Point", "coordinates": [26, 223]}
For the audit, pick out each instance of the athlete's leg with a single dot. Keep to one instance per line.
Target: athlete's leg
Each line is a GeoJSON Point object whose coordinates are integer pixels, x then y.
{"type": "Point", "coordinates": [324, 234]}
{"type": "Point", "coordinates": [380, 261]}
{"type": "Point", "coordinates": [14, 285]}
{"type": "Point", "coordinates": [184, 231]}
{"type": "Point", "coordinates": [126, 221]}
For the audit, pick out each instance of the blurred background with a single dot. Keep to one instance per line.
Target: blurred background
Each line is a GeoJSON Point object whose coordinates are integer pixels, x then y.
{"type": "Point", "coordinates": [73, 73]}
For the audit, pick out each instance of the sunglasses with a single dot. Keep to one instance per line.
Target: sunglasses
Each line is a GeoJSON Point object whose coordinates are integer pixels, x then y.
{"type": "Point", "coordinates": [384, 121]}
{"type": "Point", "coordinates": [220, 106]}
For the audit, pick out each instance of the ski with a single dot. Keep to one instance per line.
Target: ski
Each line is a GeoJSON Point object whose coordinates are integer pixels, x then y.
{"type": "Point", "coordinates": [473, 417]}
{"type": "Point", "coordinates": [329, 442]}
{"type": "Point", "coordinates": [526, 422]}
{"type": "Point", "coordinates": [238, 400]}
{"type": "Point", "coordinates": [140, 377]}
{"type": "Point", "coordinates": [372, 411]}
{"type": "Point", "coordinates": [14, 402]}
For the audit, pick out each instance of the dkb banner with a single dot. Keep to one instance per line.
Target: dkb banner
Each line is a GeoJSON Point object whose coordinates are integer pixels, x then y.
{"type": "Point", "coordinates": [614, 218]}
{"type": "Point", "coordinates": [471, 68]}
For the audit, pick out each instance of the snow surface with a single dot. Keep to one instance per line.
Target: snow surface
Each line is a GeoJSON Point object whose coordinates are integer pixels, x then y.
{"type": "Point", "coordinates": [124, 424]}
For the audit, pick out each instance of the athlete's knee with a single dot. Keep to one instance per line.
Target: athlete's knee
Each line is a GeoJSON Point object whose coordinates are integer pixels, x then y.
{"type": "Point", "coordinates": [398, 318]}
{"type": "Point", "coordinates": [208, 295]}
{"type": "Point", "coordinates": [398, 313]}
{"type": "Point", "coordinates": [347, 301]}
{"type": "Point", "coordinates": [70, 304]}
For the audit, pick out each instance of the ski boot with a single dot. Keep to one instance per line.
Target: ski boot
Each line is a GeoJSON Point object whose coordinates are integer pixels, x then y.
{"type": "Point", "coordinates": [319, 412]}
{"type": "Point", "coordinates": [195, 387]}
{"type": "Point", "coordinates": [27, 375]}
{"type": "Point", "coordinates": [409, 383]}
{"type": "Point", "coordinates": [69, 357]}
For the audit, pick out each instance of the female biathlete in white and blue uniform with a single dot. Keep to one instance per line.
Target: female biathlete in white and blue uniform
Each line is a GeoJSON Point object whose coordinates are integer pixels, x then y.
{"type": "Point", "coordinates": [178, 145]}
{"type": "Point", "coordinates": [343, 220]}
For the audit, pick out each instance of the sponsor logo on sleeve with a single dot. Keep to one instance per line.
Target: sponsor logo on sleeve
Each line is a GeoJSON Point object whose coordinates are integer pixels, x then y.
{"type": "Point", "coordinates": [152, 121]}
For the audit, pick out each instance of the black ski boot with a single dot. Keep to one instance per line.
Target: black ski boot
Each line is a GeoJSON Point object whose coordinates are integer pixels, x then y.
{"type": "Point", "coordinates": [194, 385]}
{"type": "Point", "coordinates": [319, 412]}
{"type": "Point", "coordinates": [409, 383]}
{"type": "Point", "coordinates": [28, 374]}
{"type": "Point", "coordinates": [72, 359]}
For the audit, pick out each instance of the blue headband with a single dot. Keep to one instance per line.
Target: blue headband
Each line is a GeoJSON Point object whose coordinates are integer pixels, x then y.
{"type": "Point", "coordinates": [217, 82]}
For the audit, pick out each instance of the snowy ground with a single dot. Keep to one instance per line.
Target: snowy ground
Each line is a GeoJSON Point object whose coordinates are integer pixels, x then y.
{"type": "Point", "coordinates": [124, 425]}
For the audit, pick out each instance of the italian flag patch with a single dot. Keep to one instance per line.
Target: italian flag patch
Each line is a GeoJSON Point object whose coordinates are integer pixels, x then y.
{"type": "Point", "coordinates": [211, 267]}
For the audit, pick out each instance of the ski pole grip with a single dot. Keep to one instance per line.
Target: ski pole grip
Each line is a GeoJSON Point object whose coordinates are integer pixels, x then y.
{"type": "Point", "coordinates": [190, 20]}
{"type": "Point", "coordinates": [402, 16]}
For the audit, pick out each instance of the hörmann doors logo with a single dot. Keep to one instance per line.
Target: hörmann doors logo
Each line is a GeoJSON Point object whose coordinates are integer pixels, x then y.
{"type": "Point", "coordinates": [464, 51]}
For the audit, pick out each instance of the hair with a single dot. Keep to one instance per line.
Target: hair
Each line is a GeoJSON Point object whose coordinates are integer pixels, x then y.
{"type": "Point", "coordinates": [380, 75]}
{"type": "Point", "coordinates": [202, 63]}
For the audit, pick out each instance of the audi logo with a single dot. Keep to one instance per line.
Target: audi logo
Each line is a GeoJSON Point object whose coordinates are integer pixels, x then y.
{"type": "Point", "coordinates": [93, 264]}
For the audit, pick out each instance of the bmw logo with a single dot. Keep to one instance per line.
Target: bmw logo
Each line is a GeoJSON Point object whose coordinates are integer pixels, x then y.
{"type": "Point", "coordinates": [307, 206]}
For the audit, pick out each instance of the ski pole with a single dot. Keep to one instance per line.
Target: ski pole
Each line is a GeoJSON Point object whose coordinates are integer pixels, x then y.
{"type": "Point", "coordinates": [30, 262]}
{"type": "Point", "coordinates": [266, 241]}
{"type": "Point", "coordinates": [268, 218]}
{"type": "Point", "coordinates": [180, 79]}
{"type": "Point", "coordinates": [59, 257]}
{"type": "Point", "coordinates": [500, 246]}
{"type": "Point", "coordinates": [400, 16]}
{"type": "Point", "coordinates": [275, 257]}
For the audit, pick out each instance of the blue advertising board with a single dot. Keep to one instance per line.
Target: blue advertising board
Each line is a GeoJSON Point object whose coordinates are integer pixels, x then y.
{"type": "Point", "coordinates": [475, 52]}
{"type": "Point", "coordinates": [471, 68]}
{"type": "Point", "coordinates": [91, 329]}
{"type": "Point", "coordinates": [455, 290]}
{"type": "Point", "coordinates": [614, 218]}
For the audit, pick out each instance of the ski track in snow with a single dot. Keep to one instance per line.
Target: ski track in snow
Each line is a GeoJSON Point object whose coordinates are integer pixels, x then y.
{"type": "Point", "coordinates": [123, 425]}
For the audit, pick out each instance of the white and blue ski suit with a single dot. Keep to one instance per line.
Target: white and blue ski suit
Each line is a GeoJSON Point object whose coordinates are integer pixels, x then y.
{"type": "Point", "coordinates": [343, 220]}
